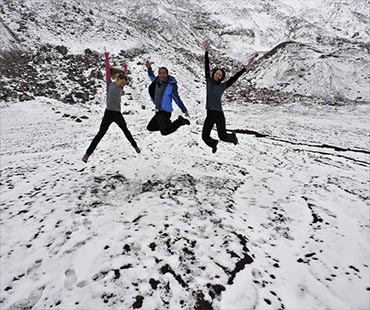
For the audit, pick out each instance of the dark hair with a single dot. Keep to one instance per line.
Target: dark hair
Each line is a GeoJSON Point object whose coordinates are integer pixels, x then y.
{"type": "Point", "coordinates": [214, 72]}
{"type": "Point", "coordinates": [122, 76]}
{"type": "Point", "coordinates": [164, 68]}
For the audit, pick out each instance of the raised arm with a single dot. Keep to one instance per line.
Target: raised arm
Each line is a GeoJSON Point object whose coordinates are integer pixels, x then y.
{"type": "Point", "coordinates": [125, 69]}
{"type": "Point", "coordinates": [232, 80]}
{"type": "Point", "coordinates": [246, 68]}
{"type": "Point", "coordinates": [206, 59]}
{"type": "Point", "coordinates": [107, 68]}
{"type": "Point", "coordinates": [148, 65]}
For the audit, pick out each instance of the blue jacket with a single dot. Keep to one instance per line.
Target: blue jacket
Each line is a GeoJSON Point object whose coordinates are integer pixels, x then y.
{"type": "Point", "coordinates": [169, 94]}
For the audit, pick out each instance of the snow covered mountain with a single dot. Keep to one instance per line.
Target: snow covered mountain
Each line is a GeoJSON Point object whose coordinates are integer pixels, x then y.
{"type": "Point", "coordinates": [328, 56]}
{"type": "Point", "coordinates": [280, 221]}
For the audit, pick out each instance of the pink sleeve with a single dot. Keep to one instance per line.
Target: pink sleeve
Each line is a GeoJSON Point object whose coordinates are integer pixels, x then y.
{"type": "Point", "coordinates": [125, 69]}
{"type": "Point", "coordinates": [107, 68]}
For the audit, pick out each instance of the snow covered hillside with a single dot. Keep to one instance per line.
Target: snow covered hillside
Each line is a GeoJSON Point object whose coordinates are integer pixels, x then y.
{"type": "Point", "coordinates": [329, 58]}
{"type": "Point", "coordinates": [280, 221]}
{"type": "Point", "coordinates": [275, 222]}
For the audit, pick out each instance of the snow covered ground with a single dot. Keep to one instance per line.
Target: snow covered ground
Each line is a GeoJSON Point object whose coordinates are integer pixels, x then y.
{"type": "Point", "coordinates": [276, 222]}
{"type": "Point", "coordinates": [280, 221]}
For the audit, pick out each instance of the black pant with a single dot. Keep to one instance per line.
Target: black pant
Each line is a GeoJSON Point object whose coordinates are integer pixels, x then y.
{"type": "Point", "coordinates": [108, 118]}
{"type": "Point", "coordinates": [161, 121]}
{"type": "Point", "coordinates": [218, 118]}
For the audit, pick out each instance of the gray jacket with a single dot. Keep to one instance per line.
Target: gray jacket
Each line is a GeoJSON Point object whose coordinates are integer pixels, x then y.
{"type": "Point", "coordinates": [114, 94]}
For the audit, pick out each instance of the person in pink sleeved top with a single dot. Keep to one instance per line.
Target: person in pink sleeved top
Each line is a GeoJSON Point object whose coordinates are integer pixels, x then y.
{"type": "Point", "coordinates": [113, 110]}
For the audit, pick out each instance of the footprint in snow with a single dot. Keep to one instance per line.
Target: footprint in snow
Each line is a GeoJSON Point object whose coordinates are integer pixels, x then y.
{"type": "Point", "coordinates": [87, 223]}
{"type": "Point", "coordinates": [70, 280]}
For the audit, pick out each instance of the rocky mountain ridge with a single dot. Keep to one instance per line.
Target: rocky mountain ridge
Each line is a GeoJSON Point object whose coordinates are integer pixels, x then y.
{"type": "Point", "coordinates": [58, 46]}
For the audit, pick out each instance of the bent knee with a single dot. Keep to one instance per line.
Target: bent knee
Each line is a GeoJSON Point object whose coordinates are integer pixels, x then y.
{"type": "Point", "coordinates": [224, 139]}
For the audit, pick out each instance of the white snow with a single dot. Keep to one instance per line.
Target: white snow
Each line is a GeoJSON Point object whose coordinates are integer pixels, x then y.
{"type": "Point", "coordinates": [74, 234]}
{"type": "Point", "coordinates": [276, 222]}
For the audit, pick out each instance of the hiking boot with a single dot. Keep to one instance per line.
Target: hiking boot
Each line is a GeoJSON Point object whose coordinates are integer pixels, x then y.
{"type": "Point", "coordinates": [85, 158]}
{"type": "Point", "coordinates": [214, 148]}
{"type": "Point", "coordinates": [234, 138]}
{"type": "Point", "coordinates": [183, 121]}
{"type": "Point", "coordinates": [137, 149]}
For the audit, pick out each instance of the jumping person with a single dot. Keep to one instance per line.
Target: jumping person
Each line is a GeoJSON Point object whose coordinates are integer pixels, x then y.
{"type": "Point", "coordinates": [215, 114]}
{"type": "Point", "coordinates": [163, 90]}
{"type": "Point", "coordinates": [113, 110]}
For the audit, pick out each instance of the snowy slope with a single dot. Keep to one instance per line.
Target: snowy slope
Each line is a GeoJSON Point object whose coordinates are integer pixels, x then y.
{"type": "Point", "coordinates": [280, 221]}
{"type": "Point", "coordinates": [276, 222]}
{"type": "Point", "coordinates": [338, 32]}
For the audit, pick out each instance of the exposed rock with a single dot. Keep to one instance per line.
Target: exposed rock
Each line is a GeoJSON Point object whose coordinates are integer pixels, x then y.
{"type": "Point", "coordinates": [62, 49]}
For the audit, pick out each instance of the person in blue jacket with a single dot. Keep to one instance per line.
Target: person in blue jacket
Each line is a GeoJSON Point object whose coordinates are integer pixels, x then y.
{"type": "Point", "coordinates": [215, 90]}
{"type": "Point", "coordinates": [162, 91]}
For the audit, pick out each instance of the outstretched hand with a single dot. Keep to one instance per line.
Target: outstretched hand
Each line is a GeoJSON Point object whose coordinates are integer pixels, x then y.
{"type": "Point", "coordinates": [148, 64]}
{"type": "Point", "coordinates": [186, 114]}
{"type": "Point", "coordinates": [205, 45]}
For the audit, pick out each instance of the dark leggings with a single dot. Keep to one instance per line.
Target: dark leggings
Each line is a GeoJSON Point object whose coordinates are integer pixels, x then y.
{"type": "Point", "coordinates": [161, 121]}
{"type": "Point", "coordinates": [218, 118]}
{"type": "Point", "coordinates": [108, 118]}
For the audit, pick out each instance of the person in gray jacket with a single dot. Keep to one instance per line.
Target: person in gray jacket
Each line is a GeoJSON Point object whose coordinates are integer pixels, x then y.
{"type": "Point", "coordinates": [215, 90]}
{"type": "Point", "coordinates": [112, 114]}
